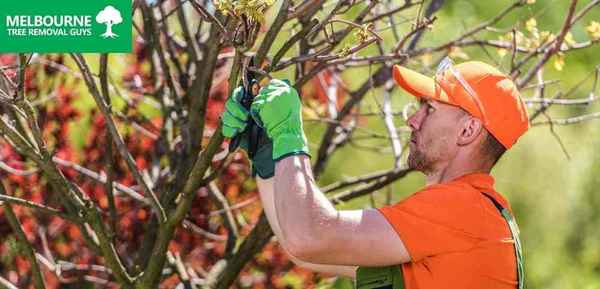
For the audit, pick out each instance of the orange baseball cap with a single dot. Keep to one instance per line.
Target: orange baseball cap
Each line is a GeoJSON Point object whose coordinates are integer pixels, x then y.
{"type": "Point", "coordinates": [496, 102]}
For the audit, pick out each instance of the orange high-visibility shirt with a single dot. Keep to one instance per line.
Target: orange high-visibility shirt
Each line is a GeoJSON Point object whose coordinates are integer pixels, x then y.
{"type": "Point", "coordinates": [455, 236]}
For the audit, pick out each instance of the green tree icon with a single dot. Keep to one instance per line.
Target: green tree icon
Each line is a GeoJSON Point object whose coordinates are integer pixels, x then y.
{"type": "Point", "coordinates": [109, 16]}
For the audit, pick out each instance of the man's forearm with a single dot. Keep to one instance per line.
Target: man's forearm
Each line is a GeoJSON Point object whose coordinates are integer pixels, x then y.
{"type": "Point", "coordinates": [303, 211]}
{"type": "Point", "coordinates": [266, 190]}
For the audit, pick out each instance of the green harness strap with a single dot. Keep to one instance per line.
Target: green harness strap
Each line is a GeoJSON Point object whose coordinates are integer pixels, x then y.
{"type": "Point", "coordinates": [514, 231]}
{"type": "Point", "coordinates": [390, 277]}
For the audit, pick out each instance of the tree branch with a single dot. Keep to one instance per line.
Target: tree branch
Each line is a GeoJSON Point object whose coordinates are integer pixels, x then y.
{"type": "Point", "coordinates": [228, 218]}
{"type": "Point", "coordinates": [377, 184]}
{"type": "Point", "coordinates": [269, 38]}
{"type": "Point", "coordinates": [108, 155]}
{"type": "Point", "coordinates": [555, 48]}
{"type": "Point", "coordinates": [38, 280]}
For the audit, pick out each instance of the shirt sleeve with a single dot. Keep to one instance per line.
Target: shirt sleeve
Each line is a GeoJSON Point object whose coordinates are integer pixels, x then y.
{"type": "Point", "coordinates": [436, 220]}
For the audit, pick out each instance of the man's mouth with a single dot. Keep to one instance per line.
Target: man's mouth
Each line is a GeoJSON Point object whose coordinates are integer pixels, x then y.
{"type": "Point", "coordinates": [413, 139]}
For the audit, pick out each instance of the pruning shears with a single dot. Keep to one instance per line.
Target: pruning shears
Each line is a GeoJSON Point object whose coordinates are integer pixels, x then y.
{"type": "Point", "coordinates": [252, 132]}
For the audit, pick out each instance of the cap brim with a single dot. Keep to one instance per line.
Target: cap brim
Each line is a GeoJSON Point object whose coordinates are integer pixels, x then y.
{"type": "Point", "coordinates": [417, 84]}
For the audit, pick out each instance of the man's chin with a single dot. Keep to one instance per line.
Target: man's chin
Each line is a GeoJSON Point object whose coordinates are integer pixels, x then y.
{"type": "Point", "coordinates": [416, 161]}
{"type": "Point", "coordinates": [411, 162]}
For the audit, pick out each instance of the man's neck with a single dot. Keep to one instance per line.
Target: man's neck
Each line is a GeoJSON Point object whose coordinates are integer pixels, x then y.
{"type": "Point", "coordinates": [453, 170]}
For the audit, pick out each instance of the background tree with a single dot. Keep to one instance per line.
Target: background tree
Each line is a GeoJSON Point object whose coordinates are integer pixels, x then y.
{"type": "Point", "coordinates": [115, 173]}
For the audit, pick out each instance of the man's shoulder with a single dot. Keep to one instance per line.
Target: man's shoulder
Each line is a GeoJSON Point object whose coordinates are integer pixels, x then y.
{"type": "Point", "coordinates": [451, 191]}
{"type": "Point", "coordinates": [440, 200]}
{"type": "Point", "coordinates": [455, 198]}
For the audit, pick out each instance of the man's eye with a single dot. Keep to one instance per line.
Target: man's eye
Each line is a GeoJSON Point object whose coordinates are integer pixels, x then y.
{"type": "Point", "coordinates": [430, 109]}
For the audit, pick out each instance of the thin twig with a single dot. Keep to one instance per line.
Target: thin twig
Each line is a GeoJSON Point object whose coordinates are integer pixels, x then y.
{"type": "Point", "coordinates": [108, 155]}
{"type": "Point", "coordinates": [101, 178]}
{"type": "Point", "coordinates": [223, 204]}
{"type": "Point", "coordinates": [569, 120]}
{"type": "Point", "coordinates": [39, 207]}
{"type": "Point", "coordinates": [199, 7]}
{"type": "Point", "coordinates": [406, 5]}
{"type": "Point", "coordinates": [391, 128]}
{"type": "Point", "coordinates": [5, 284]}
{"type": "Point", "coordinates": [187, 224]}
{"type": "Point", "coordinates": [554, 48]}
{"type": "Point", "coordinates": [38, 279]}
{"type": "Point", "coordinates": [369, 188]}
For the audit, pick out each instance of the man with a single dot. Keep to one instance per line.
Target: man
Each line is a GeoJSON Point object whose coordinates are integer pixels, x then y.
{"type": "Point", "coordinates": [457, 232]}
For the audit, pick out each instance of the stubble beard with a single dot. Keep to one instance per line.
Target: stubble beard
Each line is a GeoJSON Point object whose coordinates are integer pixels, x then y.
{"type": "Point", "coordinates": [418, 161]}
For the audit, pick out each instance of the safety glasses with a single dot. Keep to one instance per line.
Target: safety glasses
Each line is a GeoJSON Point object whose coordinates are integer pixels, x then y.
{"type": "Point", "coordinates": [447, 66]}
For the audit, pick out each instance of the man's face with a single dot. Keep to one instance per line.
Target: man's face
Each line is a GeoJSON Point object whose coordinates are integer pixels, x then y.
{"type": "Point", "coordinates": [434, 135]}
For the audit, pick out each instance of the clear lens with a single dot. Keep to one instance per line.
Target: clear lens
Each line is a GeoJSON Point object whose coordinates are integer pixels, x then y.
{"type": "Point", "coordinates": [447, 65]}
{"type": "Point", "coordinates": [409, 109]}
{"type": "Point", "coordinates": [443, 66]}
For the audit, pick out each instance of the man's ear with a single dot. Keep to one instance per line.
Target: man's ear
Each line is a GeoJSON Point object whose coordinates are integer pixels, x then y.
{"type": "Point", "coordinates": [470, 129]}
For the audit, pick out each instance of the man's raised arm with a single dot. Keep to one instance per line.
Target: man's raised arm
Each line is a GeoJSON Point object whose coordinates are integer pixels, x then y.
{"type": "Point", "coordinates": [234, 121]}
{"type": "Point", "coordinates": [315, 231]}
{"type": "Point", "coordinates": [312, 229]}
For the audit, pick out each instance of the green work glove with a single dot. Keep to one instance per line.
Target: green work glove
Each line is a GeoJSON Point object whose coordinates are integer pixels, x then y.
{"type": "Point", "coordinates": [234, 121]}
{"type": "Point", "coordinates": [235, 117]}
{"type": "Point", "coordinates": [277, 108]}
{"type": "Point", "coordinates": [263, 164]}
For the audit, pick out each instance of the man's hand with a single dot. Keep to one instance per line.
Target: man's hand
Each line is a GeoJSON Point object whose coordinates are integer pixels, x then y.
{"type": "Point", "coordinates": [235, 117]}
{"type": "Point", "coordinates": [235, 120]}
{"type": "Point", "coordinates": [277, 108]}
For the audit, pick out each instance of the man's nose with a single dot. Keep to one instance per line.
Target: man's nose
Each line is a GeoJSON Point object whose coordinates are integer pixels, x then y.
{"type": "Point", "coordinates": [415, 120]}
